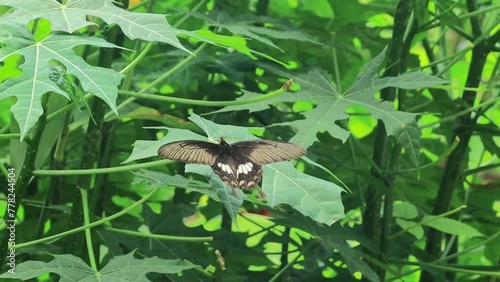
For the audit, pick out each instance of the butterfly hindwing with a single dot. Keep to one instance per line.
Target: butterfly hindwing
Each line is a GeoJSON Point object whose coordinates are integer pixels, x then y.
{"type": "Point", "coordinates": [190, 151]}
{"type": "Point", "coordinates": [238, 171]}
{"type": "Point", "coordinates": [249, 174]}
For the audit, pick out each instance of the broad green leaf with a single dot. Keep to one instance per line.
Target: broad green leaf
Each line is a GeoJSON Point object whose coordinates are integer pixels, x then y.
{"type": "Point", "coordinates": [450, 226]}
{"type": "Point", "coordinates": [74, 14]}
{"type": "Point", "coordinates": [34, 81]}
{"type": "Point", "coordinates": [238, 43]}
{"type": "Point", "coordinates": [71, 268]}
{"type": "Point", "coordinates": [311, 196]}
{"type": "Point", "coordinates": [257, 28]}
{"type": "Point", "coordinates": [332, 105]}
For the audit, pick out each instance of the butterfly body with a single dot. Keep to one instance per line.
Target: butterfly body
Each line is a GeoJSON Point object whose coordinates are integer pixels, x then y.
{"type": "Point", "coordinates": [235, 168]}
{"type": "Point", "coordinates": [238, 164]}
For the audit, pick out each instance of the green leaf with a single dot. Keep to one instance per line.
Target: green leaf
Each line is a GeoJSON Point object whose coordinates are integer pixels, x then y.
{"type": "Point", "coordinates": [405, 210]}
{"type": "Point", "coordinates": [416, 231]}
{"type": "Point", "coordinates": [35, 79]}
{"type": "Point", "coordinates": [238, 43]}
{"type": "Point", "coordinates": [72, 268]}
{"type": "Point", "coordinates": [74, 14]}
{"type": "Point", "coordinates": [311, 196]}
{"type": "Point", "coordinates": [257, 28]}
{"type": "Point", "coordinates": [225, 194]}
{"type": "Point", "coordinates": [450, 226]}
{"type": "Point", "coordinates": [332, 105]}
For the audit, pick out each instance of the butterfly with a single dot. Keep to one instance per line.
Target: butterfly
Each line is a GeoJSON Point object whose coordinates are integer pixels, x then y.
{"type": "Point", "coordinates": [238, 164]}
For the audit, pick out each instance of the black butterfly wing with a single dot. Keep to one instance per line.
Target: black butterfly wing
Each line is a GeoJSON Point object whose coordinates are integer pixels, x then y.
{"type": "Point", "coordinates": [190, 151]}
{"type": "Point", "coordinates": [265, 152]}
{"type": "Point", "coordinates": [237, 170]}
{"type": "Point", "coordinates": [238, 164]}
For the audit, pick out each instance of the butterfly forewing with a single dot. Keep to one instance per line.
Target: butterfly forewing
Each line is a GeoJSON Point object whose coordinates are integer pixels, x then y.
{"type": "Point", "coordinates": [265, 152]}
{"type": "Point", "coordinates": [190, 151]}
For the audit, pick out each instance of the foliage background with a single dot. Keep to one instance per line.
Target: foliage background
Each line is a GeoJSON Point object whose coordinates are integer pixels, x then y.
{"type": "Point", "coordinates": [396, 100]}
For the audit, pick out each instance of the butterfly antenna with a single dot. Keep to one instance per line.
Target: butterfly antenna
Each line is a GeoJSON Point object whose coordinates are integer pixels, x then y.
{"type": "Point", "coordinates": [227, 125]}
{"type": "Point", "coordinates": [206, 129]}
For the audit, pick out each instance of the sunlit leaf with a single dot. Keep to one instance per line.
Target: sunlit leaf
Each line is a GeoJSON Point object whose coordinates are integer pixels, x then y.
{"type": "Point", "coordinates": [74, 14]}
{"type": "Point", "coordinates": [35, 80]}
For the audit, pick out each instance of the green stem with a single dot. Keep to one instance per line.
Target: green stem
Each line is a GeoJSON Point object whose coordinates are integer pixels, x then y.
{"type": "Point", "coordinates": [10, 136]}
{"type": "Point", "coordinates": [41, 172]}
{"type": "Point", "coordinates": [202, 102]}
{"type": "Point", "coordinates": [88, 234]}
{"type": "Point", "coordinates": [82, 228]}
{"type": "Point", "coordinates": [160, 237]}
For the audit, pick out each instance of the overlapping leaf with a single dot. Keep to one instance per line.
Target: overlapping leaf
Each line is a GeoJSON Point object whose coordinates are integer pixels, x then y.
{"type": "Point", "coordinates": [257, 28]}
{"type": "Point", "coordinates": [71, 268]}
{"type": "Point", "coordinates": [73, 15]}
{"type": "Point", "coordinates": [450, 226]}
{"type": "Point", "coordinates": [312, 196]}
{"type": "Point", "coordinates": [35, 80]}
{"type": "Point", "coordinates": [332, 105]}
